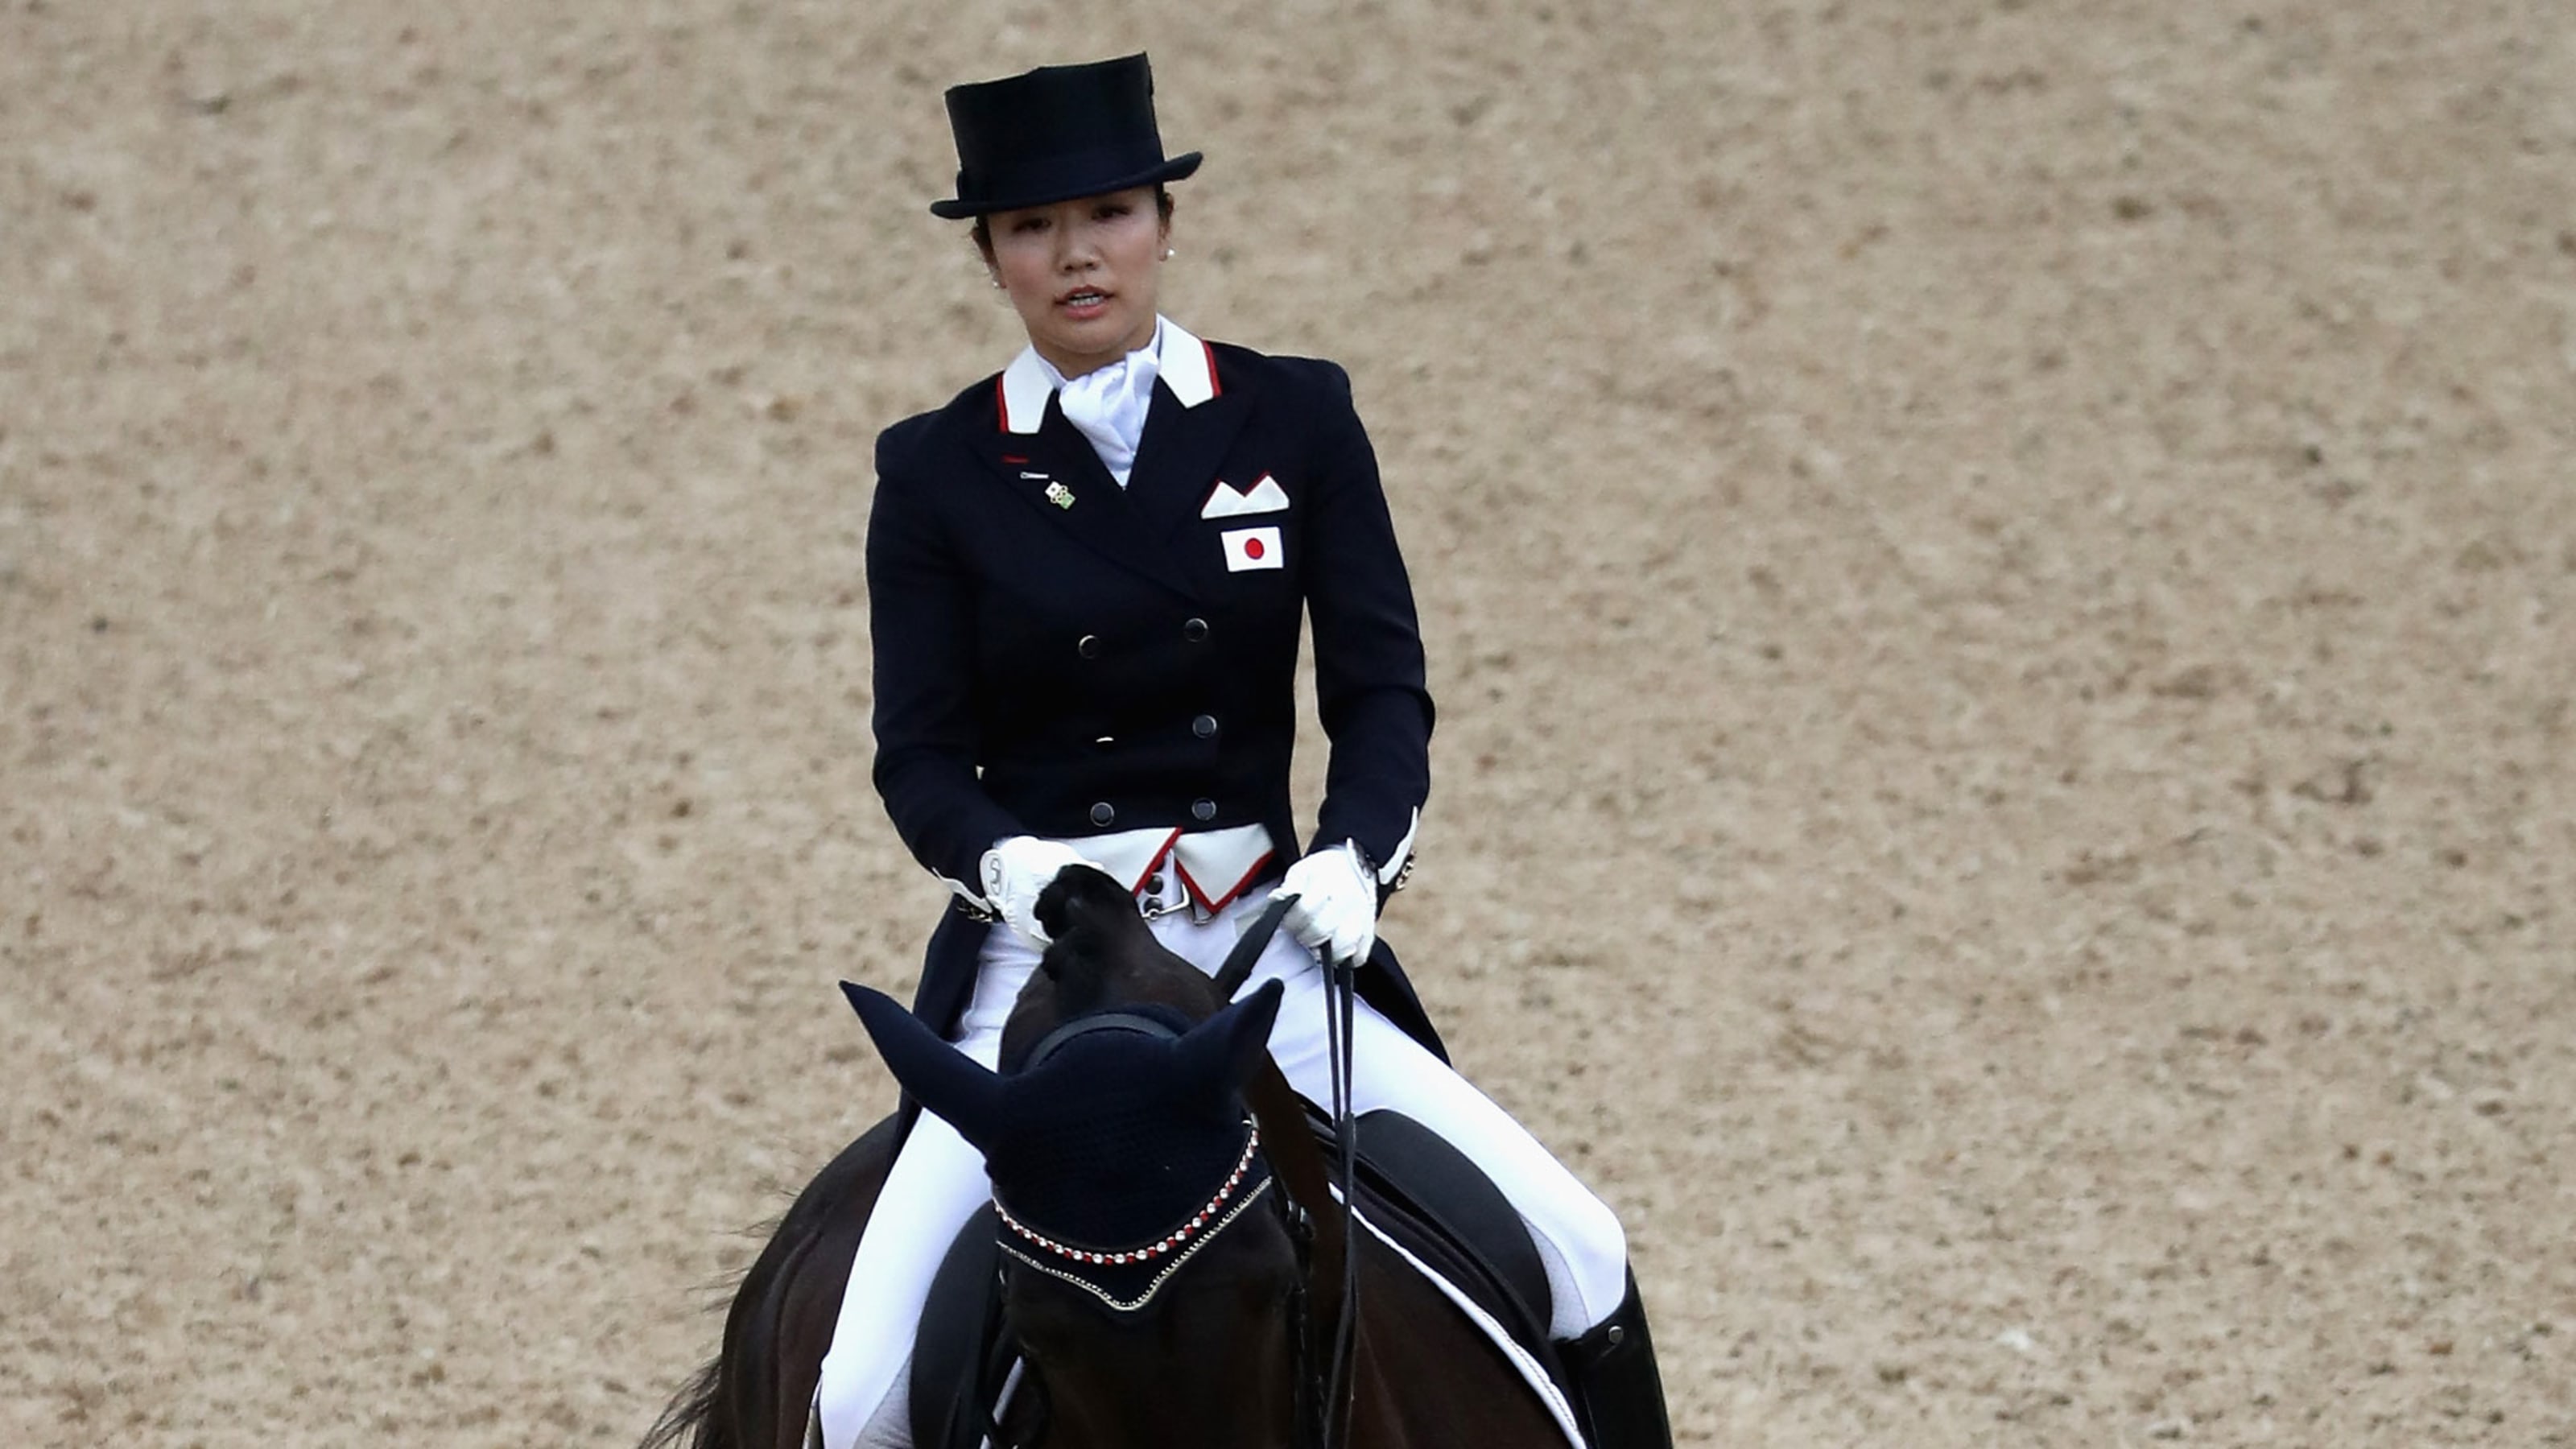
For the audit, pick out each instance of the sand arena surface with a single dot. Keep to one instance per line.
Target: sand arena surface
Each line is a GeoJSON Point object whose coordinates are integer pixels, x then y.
{"type": "Point", "coordinates": [2001, 577]}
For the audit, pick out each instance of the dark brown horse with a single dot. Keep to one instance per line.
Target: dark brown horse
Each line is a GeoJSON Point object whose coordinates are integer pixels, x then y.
{"type": "Point", "coordinates": [1235, 1345]}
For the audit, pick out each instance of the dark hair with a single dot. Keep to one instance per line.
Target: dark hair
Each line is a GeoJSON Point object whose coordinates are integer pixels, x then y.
{"type": "Point", "coordinates": [984, 224]}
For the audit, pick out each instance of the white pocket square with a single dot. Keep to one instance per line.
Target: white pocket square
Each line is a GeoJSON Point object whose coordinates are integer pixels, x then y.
{"type": "Point", "coordinates": [1228, 501]}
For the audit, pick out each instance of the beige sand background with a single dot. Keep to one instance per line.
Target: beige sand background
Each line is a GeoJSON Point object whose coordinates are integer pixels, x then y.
{"type": "Point", "coordinates": [2002, 578]}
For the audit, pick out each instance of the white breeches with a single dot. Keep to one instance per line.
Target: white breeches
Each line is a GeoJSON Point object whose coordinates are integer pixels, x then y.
{"type": "Point", "coordinates": [938, 1180]}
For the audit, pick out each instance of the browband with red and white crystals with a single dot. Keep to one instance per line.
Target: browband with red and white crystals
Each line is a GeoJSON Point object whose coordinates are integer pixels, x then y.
{"type": "Point", "coordinates": [1153, 1250]}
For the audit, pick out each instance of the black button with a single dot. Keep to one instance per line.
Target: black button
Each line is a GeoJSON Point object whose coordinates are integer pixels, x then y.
{"type": "Point", "coordinates": [1195, 631]}
{"type": "Point", "coordinates": [1202, 810]}
{"type": "Point", "coordinates": [1204, 726]}
{"type": "Point", "coordinates": [1088, 647]}
{"type": "Point", "coordinates": [1153, 885]}
{"type": "Point", "coordinates": [1103, 813]}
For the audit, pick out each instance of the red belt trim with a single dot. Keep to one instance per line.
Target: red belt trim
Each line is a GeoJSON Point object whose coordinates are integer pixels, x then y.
{"type": "Point", "coordinates": [1156, 863]}
{"type": "Point", "coordinates": [1220, 902]}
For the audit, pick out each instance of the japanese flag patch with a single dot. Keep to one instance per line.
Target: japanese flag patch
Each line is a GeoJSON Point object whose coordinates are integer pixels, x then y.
{"type": "Point", "coordinates": [1251, 548]}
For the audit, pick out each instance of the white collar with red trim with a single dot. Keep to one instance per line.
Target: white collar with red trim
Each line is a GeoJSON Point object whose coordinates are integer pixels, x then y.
{"type": "Point", "coordinates": [1213, 866]}
{"type": "Point", "coordinates": [1188, 368]}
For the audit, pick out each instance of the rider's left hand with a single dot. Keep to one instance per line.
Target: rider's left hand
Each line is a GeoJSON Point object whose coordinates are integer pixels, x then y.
{"type": "Point", "coordinates": [1336, 910]}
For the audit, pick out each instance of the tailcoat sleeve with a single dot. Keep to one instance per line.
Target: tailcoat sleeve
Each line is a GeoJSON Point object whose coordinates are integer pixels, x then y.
{"type": "Point", "coordinates": [921, 626]}
{"type": "Point", "coordinates": [1370, 691]}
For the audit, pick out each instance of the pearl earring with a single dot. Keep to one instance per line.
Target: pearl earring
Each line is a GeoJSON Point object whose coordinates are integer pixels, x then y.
{"type": "Point", "coordinates": [1167, 254]}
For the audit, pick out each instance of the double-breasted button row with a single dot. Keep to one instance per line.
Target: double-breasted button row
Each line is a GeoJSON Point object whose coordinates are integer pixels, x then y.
{"type": "Point", "coordinates": [1105, 814]}
{"type": "Point", "coordinates": [1204, 727]}
{"type": "Point", "coordinates": [1193, 630]}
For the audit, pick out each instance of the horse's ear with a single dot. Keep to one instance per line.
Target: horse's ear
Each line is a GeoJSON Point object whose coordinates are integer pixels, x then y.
{"type": "Point", "coordinates": [1222, 1052]}
{"type": "Point", "coordinates": [944, 1079]}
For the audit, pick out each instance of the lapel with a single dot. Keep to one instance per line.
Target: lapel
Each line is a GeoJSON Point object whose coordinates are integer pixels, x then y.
{"type": "Point", "coordinates": [1034, 455]}
{"type": "Point", "coordinates": [1192, 421]}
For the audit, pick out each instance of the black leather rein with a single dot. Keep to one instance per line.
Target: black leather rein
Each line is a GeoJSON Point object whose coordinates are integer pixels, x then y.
{"type": "Point", "coordinates": [1324, 1379]}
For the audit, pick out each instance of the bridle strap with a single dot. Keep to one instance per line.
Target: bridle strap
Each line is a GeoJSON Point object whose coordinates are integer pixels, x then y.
{"type": "Point", "coordinates": [1342, 980]}
{"type": "Point", "coordinates": [1333, 1409]}
{"type": "Point", "coordinates": [1305, 1389]}
{"type": "Point", "coordinates": [1099, 1021]}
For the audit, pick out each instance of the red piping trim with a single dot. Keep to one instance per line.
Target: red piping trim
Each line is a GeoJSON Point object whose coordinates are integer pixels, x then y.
{"type": "Point", "coordinates": [1002, 401]}
{"type": "Point", "coordinates": [1160, 856]}
{"type": "Point", "coordinates": [1215, 387]}
{"type": "Point", "coordinates": [1221, 902]}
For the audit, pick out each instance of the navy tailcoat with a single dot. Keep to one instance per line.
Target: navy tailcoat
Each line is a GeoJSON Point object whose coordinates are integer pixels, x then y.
{"type": "Point", "coordinates": [1058, 656]}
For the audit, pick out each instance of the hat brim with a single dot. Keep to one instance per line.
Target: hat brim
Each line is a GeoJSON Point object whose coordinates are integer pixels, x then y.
{"type": "Point", "coordinates": [1179, 168]}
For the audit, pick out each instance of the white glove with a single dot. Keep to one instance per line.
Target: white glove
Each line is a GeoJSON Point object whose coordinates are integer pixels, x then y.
{"type": "Point", "coordinates": [1336, 910]}
{"type": "Point", "coordinates": [1019, 867]}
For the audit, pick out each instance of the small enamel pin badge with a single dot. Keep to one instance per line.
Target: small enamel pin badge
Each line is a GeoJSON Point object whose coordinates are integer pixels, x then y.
{"type": "Point", "coordinates": [1059, 495]}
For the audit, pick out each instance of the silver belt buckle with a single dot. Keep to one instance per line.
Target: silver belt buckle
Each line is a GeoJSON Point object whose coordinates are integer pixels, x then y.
{"type": "Point", "coordinates": [1173, 899]}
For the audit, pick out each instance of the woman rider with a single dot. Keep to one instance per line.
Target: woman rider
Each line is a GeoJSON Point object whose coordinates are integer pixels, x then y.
{"type": "Point", "coordinates": [1086, 578]}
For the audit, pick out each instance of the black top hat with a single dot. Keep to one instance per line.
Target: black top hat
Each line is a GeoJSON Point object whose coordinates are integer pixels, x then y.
{"type": "Point", "coordinates": [1056, 133]}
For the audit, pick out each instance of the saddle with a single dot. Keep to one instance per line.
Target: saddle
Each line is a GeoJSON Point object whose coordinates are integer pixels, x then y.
{"type": "Point", "coordinates": [1414, 1187]}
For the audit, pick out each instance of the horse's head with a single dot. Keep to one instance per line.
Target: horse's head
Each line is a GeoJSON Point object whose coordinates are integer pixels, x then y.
{"type": "Point", "coordinates": [1101, 954]}
{"type": "Point", "coordinates": [1149, 1265]}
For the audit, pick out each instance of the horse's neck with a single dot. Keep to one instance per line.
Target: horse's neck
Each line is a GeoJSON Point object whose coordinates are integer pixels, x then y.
{"type": "Point", "coordinates": [1297, 1159]}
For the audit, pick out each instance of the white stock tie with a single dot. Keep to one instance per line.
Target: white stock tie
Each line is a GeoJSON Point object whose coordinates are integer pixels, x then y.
{"type": "Point", "coordinates": [1108, 406]}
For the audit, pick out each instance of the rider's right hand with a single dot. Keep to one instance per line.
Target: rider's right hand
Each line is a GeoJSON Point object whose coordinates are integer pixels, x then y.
{"type": "Point", "coordinates": [1019, 867]}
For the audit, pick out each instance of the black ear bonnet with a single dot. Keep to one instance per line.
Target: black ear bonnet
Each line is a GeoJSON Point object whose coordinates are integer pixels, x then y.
{"type": "Point", "coordinates": [1117, 1131]}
